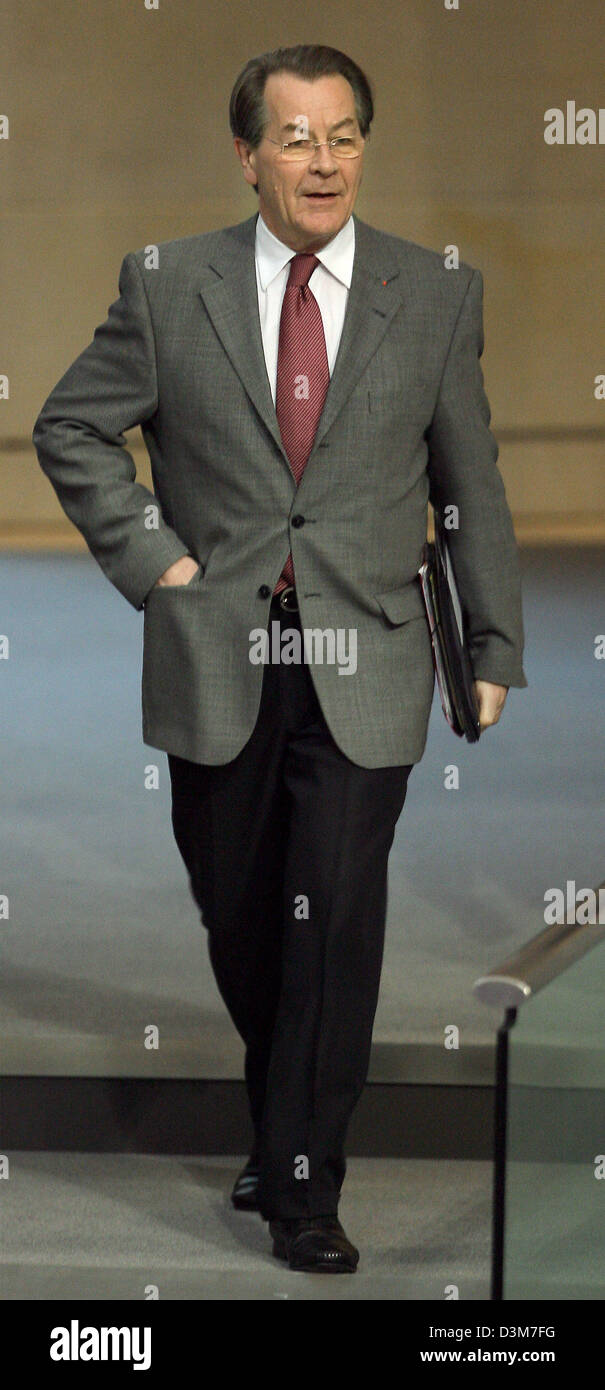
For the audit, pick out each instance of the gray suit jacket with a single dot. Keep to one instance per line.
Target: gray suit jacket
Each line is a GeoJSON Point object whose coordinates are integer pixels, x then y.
{"type": "Point", "coordinates": [406, 420]}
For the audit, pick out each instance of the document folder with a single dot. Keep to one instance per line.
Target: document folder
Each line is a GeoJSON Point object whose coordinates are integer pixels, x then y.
{"type": "Point", "coordinates": [453, 669]}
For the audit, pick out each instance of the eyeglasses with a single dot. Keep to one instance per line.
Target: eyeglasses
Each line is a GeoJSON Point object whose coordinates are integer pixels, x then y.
{"type": "Point", "coordinates": [343, 146]}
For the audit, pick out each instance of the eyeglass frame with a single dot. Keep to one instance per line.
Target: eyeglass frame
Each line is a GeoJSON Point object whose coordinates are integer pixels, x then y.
{"type": "Point", "coordinates": [317, 145]}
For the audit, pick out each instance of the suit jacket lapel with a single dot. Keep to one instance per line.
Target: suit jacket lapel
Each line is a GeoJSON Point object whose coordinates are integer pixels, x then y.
{"type": "Point", "coordinates": [230, 294]}
{"type": "Point", "coordinates": [374, 297]}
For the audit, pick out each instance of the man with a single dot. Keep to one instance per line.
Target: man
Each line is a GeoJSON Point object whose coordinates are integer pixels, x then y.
{"type": "Point", "coordinates": [305, 385]}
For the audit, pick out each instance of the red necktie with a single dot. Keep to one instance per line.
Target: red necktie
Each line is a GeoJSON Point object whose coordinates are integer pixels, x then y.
{"type": "Point", "coordinates": [303, 375]}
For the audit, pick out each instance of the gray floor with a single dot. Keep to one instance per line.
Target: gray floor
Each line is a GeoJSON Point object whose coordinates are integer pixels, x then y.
{"type": "Point", "coordinates": [555, 1245]}
{"type": "Point", "coordinates": [109, 1226]}
{"type": "Point", "coordinates": [103, 937]}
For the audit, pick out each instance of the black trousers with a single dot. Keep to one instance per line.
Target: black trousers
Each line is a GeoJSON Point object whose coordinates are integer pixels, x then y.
{"type": "Point", "coordinates": [286, 848]}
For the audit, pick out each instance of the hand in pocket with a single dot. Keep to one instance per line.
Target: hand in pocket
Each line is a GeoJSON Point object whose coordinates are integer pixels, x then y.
{"type": "Point", "coordinates": [182, 572]}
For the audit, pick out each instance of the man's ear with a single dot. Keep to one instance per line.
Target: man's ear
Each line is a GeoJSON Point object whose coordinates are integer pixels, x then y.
{"type": "Point", "coordinates": [247, 159]}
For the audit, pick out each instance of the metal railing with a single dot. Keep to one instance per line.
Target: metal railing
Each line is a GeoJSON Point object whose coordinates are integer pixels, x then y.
{"type": "Point", "coordinates": [508, 986]}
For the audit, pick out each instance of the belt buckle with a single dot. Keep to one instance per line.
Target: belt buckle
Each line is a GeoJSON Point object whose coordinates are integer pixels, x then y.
{"type": "Point", "coordinates": [284, 597]}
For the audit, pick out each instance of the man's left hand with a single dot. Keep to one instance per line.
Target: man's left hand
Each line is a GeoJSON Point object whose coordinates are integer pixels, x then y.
{"type": "Point", "coordinates": [490, 699]}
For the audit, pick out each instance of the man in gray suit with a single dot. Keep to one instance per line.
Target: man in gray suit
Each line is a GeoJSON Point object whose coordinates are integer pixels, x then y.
{"type": "Point", "coordinates": [305, 384]}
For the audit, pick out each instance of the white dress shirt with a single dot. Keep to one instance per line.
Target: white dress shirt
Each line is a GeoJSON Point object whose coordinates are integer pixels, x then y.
{"type": "Point", "coordinates": [330, 283]}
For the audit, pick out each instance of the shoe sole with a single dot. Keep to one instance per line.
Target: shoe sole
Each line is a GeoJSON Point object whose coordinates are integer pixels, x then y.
{"type": "Point", "coordinates": [280, 1250]}
{"type": "Point", "coordinates": [246, 1199]}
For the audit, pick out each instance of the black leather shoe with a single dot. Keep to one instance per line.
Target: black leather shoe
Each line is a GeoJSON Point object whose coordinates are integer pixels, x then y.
{"type": "Point", "coordinates": [245, 1189]}
{"type": "Point", "coordinates": [315, 1244]}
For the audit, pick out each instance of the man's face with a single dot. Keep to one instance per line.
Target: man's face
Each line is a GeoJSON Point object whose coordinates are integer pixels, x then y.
{"type": "Point", "coordinates": [305, 204]}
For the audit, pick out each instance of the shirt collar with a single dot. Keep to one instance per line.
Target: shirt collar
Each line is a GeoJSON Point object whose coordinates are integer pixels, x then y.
{"type": "Point", "coordinates": [337, 257]}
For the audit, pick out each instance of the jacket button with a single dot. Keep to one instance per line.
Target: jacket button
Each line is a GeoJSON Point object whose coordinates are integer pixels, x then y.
{"type": "Point", "coordinates": [298, 521]}
{"type": "Point", "coordinates": [264, 591]}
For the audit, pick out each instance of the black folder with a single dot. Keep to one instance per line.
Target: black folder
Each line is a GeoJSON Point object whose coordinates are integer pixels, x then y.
{"type": "Point", "coordinates": [453, 669]}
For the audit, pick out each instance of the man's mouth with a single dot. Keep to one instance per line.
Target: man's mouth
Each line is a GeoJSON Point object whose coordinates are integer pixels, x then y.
{"type": "Point", "coordinates": [321, 197]}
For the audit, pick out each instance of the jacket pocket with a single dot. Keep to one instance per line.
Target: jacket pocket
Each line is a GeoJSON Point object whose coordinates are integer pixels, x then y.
{"type": "Point", "coordinates": [399, 605]}
{"type": "Point", "coordinates": [174, 588]}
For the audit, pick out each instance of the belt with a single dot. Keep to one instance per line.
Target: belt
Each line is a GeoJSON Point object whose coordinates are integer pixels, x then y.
{"type": "Point", "coordinates": [287, 599]}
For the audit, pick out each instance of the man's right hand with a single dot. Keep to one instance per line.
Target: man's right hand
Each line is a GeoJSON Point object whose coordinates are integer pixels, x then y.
{"type": "Point", "coordinates": [181, 572]}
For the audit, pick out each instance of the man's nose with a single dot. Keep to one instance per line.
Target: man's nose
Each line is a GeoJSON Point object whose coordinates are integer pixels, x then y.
{"type": "Point", "coordinates": [324, 159]}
